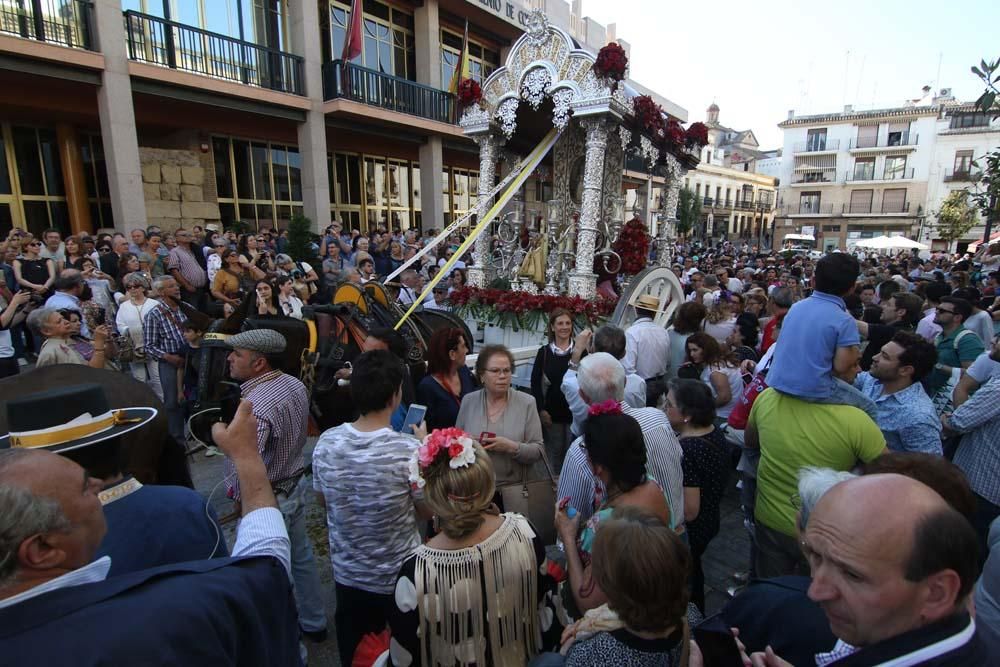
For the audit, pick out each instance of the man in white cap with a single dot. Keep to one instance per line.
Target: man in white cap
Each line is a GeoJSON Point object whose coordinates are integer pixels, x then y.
{"type": "Point", "coordinates": [281, 406]}
{"type": "Point", "coordinates": [654, 341]}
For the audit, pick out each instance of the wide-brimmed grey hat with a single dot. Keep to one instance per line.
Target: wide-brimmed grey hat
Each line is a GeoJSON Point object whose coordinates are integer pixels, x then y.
{"type": "Point", "coordinates": [265, 341]}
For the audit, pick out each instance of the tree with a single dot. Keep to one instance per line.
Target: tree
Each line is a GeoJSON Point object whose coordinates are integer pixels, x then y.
{"type": "Point", "coordinates": [300, 239]}
{"type": "Point", "coordinates": [688, 212]}
{"type": "Point", "coordinates": [956, 217]}
{"type": "Point", "coordinates": [986, 194]}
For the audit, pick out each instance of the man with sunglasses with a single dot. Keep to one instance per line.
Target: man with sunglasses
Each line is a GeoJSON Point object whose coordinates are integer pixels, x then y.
{"type": "Point", "coordinates": [957, 347]}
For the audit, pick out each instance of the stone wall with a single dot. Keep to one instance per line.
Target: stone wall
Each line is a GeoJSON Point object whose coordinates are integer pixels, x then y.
{"type": "Point", "coordinates": [175, 188]}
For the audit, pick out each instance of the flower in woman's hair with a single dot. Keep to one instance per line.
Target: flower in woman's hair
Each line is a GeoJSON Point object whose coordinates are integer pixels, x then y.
{"type": "Point", "coordinates": [427, 452]}
{"type": "Point", "coordinates": [608, 407]}
{"type": "Point", "coordinates": [462, 452]}
{"type": "Point", "coordinates": [417, 480]}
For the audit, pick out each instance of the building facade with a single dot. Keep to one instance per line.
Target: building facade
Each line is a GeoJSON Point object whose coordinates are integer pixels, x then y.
{"type": "Point", "coordinates": [737, 201]}
{"type": "Point", "coordinates": [130, 113]}
{"type": "Point", "coordinates": [860, 174]}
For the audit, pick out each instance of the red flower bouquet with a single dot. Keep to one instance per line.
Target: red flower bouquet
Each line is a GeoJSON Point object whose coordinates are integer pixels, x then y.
{"type": "Point", "coordinates": [696, 136]}
{"type": "Point", "coordinates": [633, 247]}
{"type": "Point", "coordinates": [519, 310]}
{"type": "Point", "coordinates": [611, 63]}
{"type": "Point", "coordinates": [469, 92]}
{"type": "Point", "coordinates": [649, 115]}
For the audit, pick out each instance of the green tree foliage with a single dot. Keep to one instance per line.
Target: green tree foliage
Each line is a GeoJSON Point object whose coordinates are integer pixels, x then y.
{"type": "Point", "coordinates": [956, 217]}
{"type": "Point", "coordinates": [688, 212]}
{"type": "Point", "coordinates": [300, 239]}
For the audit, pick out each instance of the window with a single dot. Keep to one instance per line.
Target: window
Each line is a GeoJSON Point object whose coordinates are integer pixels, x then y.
{"type": "Point", "coordinates": [387, 35]}
{"type": "Point", "coordinates": [894, 201]}
{"type": "Point", "coordinates": [864, 169]}
{"type": "Point", "coordinates": [861, 201]}
{"type": "Point", "coordinates": [482, 59]}
{"type": "Point", "coordinates": [816, 140]}
{"type": "Point", "coordinates": [867, 136]}
{"type": "Point", "coordinates": [964, 120]}
{"type": "Point", "coordinates": [258, 183]}
{"type": "Point", "coordinates": [809, 202]}
{"type": "Point", "coordinates": [963, 162]}
{"type": "Point", "coordinates": [831, 228]}
{"type": "Point", "coordinates": [895, 167]}
{"type": "Point", "coordinates": [31, 182]}
{"type": "Point", "coordinates": [697, 189]}
{"type": "Point", "coordinates": [899, 134]}
{"type": "Point", "coordinates": [96, 176]}
{"type": "Point", "coordinates": [718, 192]}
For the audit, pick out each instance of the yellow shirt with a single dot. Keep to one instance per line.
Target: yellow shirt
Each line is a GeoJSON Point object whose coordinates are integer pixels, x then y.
{"type": "Point", "coordinates": [794, 433]}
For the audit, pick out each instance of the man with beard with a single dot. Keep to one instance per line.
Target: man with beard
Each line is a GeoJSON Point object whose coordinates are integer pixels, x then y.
{"type": "Point", "coordinates": [906, 414]}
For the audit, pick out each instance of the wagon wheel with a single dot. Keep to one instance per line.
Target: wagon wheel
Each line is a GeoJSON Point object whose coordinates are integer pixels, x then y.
{"type": "Point", "coordinates": [658, 281]}
{"type": "Point", "coordinates": [377, 292]}
{"type": "Point", "coordinates": [351, 293]}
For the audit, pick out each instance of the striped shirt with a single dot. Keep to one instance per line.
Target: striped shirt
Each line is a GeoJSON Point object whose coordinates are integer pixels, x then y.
{"type": "Point", "coordinates": [281, 406]}
{"type": "Point", "coordinates": [978, 454]}
{"type": "Point", "coordinates": [183, 260]}
{"type": "Point", "coordinates": [663, 454]}
{"type": "Point", "coordinates": [370, 516]}
{"type": "Point", "coordinates": [162, 332]}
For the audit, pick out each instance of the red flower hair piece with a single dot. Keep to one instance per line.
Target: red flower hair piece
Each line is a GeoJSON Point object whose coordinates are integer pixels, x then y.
{"type": "Point", "coordinates": [608, 407]}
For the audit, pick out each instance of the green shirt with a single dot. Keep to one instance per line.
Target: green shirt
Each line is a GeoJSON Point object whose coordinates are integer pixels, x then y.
{"type": "Point", "coordinates": [953, 349]}
{"type": "Point", "coordinates": [794, 433]}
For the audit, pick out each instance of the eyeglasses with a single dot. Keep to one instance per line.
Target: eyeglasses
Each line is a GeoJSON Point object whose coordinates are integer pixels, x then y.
{"type": "Point", "coordinates": [500, 371]}
{"type": "Point", "coordinates": [34, 243]}
{"type": "Point", "coordinates": [942, 310]}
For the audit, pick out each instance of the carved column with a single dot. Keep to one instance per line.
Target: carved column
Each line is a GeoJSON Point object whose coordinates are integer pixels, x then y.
{"type": "Point", "coordinates": [480, 274]}
{"type": "Point", "coordinates": [583, 280]}
{"type": "Point", "coordinates": [667, 231]}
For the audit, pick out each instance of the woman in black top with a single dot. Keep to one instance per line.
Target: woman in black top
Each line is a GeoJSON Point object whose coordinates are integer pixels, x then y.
{"type": "Point", "coordinates": [550, 366]}
{"type": "Point", "coordinates": [448, 379]}
{"type": "Point", "coordinates": [706, 464]}
{"type": "Point", "coordinates": [32, 271]}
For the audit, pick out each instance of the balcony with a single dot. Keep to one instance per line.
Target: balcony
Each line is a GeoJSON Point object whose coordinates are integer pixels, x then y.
{"type": "Point", "coordinates": [707, 201]}
{"type": "Point", "coordinates": [183, 47]}
{"type": "Point", "coordinates": [962, 175]}
{"type": "Point", "coordinates": [66, 23]}
{"type": "Point", "coordinates": [884, 175]}
{"type": "Point", "coordinates": [894, 140]}
{"type": "Point", "coordinates": [868, 208]}
{"type": "Point", "coordinates": [744, 205]}
{"type": "Point", "coordinates": [385, 91]}
{"type": "Point", "coordinates": [808, 208]}
{"type": "Point", "coordinates": [814, 178]}
{"type": "Point", "coordinates": [816, 146]}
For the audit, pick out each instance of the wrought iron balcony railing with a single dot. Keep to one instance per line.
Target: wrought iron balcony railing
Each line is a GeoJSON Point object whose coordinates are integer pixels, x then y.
{"type": "Point", "coordinates": [816, 145]}
{"type": "Point", "coordinates": [385, 91]}
{"type": "Point", "coordinates": [64, 22]}
{"type": "Point", "coordinates": [183, 47]}
{"type": "Point", "coordinates": [894, 139]}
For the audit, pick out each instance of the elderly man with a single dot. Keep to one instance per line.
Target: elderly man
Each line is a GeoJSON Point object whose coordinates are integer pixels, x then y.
{"type": "Point", "coordinates": [409, 287]}
{"type": "Point", "coordinates": [654, 342]}
{"type": "Point", "coordinates": [601, 379]}
{"type": "Point", "coordinates": [905, 413]}
{"type": "Point", "coordinates": [67, 290]}
{"type": "Point", "coordinates": [610, 339]}
{"type": "Point", "coordinates": [164, 341]}
{"type": "Point", "coordinates": [186, 265]}
{"type": "Point", "coordinates": [223, 611]}
{"type": "Point", "coordinates": [281, 407]}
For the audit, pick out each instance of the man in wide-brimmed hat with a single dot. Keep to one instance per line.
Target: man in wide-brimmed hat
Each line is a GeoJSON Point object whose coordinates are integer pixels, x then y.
{"type": "Point", "coordinates": [58, 605]}
{"type": "Point", "coordinates": [654, 342]}
{"type": "Point", "coordinates": [148, 525]}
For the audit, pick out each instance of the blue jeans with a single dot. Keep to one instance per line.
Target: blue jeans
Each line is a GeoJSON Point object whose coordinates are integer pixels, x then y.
{"type": "Point", "coordinates": [175, 415]}
{"type": "Point", "coordinates": [846, 394]}
{"type": "Point", "coordinates": [305, 576]}
{"type": "Point", "coordinates": [548, 660]}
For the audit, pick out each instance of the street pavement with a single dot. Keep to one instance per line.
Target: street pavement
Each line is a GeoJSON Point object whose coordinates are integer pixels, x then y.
{"type": "Point", "coordinates": [728, 553]}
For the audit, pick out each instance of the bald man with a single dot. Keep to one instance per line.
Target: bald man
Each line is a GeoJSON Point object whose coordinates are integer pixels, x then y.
{"type": "Point", "coordinates": [893, 585]}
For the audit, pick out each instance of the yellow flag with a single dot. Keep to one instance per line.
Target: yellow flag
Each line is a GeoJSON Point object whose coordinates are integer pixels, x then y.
{"type": "Point", "coordinates": [463, 71]}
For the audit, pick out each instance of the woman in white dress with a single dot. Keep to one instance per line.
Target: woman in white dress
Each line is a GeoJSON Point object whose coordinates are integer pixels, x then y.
{"type": "Point", "coordinates": [131, 316]}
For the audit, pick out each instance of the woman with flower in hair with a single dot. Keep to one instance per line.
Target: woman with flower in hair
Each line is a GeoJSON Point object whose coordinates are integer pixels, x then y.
{"type": "Point", "coordinates": [617, 454]}
{"type": "Point", "coordinates": [489, 562]}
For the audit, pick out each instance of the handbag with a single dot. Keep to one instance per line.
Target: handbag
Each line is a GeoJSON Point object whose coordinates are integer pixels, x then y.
{"type": "Point", "coordinates": [128, 351]}
{"type": "Point", "coordinates": [535, 500]}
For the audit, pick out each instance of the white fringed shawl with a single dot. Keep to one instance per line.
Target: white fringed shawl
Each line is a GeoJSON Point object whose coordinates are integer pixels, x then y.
{"type": "Point", "coordinates": [457, 625]}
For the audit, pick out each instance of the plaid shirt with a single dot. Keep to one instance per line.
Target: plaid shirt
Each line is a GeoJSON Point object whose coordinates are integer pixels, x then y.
{"type": "Point", "coordinates": [281, 406]}
{"type": "Point", "coordinates": [978, 454]}
{"type": "Point", "coordinates": [161, 331]}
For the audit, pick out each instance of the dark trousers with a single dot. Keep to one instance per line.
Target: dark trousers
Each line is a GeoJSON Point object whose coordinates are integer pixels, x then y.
{"type": "Point", "coordinates": [655, 388]}
{"type": "Point", "coordinates": [358, 613]}
{"type": "Point", "coordinates": [8, 367]}
{"type": "Point", "coordinates": [697, 579]}
{"type": "Point", "coordinates": [986, 512]}
{"type": "Point", "coordinates": [778, 554]}
{"type": "Point", "coordinates": [196, 298]}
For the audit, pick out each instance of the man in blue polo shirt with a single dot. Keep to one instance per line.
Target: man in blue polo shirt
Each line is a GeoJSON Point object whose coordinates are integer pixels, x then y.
{"type": "Point", "coordinates": [820, 340]}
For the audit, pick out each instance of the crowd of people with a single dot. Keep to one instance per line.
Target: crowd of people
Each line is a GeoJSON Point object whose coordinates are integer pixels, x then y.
{"type": "Point", "coordinates": [853, 401]}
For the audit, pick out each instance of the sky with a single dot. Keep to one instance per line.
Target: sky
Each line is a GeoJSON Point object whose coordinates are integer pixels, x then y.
{"type": "Point", "coordinates": [758, 60]}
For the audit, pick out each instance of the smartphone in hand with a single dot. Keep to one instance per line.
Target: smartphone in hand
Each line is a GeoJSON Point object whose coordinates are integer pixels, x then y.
{"type": "Point", "coordinates": [414, 415]}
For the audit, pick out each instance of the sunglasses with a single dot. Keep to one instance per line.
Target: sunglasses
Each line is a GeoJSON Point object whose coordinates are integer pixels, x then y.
{"type": "Point", "coordinates": [34, 243]}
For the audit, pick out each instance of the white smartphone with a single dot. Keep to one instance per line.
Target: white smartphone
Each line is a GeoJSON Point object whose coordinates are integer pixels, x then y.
{"type": "Point", "coordinates": [414, 415]}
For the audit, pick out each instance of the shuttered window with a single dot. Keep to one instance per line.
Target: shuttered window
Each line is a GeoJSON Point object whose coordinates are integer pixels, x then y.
{"type": "Point", "coordinates": [867, 136]}
{"type": "Point", "coordinates": [861, 201]}
{"type": "Point", "coordinates": [894, 201]}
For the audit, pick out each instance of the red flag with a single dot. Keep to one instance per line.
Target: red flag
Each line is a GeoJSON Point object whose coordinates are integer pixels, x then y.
{"type": "Point", "coordinates": [352, 45]}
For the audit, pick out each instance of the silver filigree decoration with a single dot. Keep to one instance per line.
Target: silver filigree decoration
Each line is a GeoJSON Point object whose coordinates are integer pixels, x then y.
{"type": "Point", "coordinates": [625, 135]}
{"type": "Point", "coordinates": [474, 116]}
{"type": "Point", "coordinates": [538, 27]}
{"type": "Point", "coordinates": [489, 147]}
{"type": "Point", "coordinates": [507, 115]}
{"type": "Point", "coordinates": [561, 111]}
{"type": "Point", "coordinates": [649, 152]}
{"type": "Point", "coordinates": [535, 84]}
{"type": "Point", "coordinates": [583, 278]}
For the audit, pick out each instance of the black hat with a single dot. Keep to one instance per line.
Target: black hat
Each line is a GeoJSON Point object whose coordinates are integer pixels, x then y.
{"type": "Point", "coordinates": [68, 418]}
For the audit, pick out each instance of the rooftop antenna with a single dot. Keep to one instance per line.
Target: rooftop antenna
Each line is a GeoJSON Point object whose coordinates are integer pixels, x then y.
{"type": "Point", "coordinates": [937, 79]}
{"type": "Point", "coordinates": [847, 70]}
{"type": "Point", "coordinates": [857, 92]}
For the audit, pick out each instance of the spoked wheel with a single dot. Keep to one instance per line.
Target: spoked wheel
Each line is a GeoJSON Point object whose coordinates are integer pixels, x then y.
{"type": "Point", "coordinates": [658, 281]}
